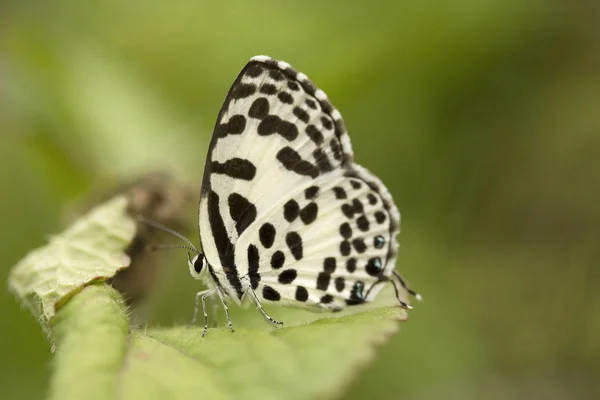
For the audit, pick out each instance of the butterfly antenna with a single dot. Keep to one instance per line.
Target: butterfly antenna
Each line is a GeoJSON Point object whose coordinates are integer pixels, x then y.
{"type": "Point", "coordinates": [409, 290]}
{"type": "Point", "coordinates": [160, 226]}
{"type": "Point", "coordinates": [154, 247]}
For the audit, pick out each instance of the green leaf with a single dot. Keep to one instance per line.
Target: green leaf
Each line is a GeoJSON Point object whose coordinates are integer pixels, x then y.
{"type": "Point", "coordinates": [99, 355]}
{"type": "Point", "coordinates": [97, 360]}
{"type": "Point", "coordinates": [91, 337]}
{"type": "Point", "coordinates": [92, 249]}
{"type": "Point", "coordinates": [292, 362]}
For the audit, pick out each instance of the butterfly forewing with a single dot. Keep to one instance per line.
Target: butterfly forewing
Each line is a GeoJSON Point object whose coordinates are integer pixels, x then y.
{"type": "Point", "coordinates": [284, 209]}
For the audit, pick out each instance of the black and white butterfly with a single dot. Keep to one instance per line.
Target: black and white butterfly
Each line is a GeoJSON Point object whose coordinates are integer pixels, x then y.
{"type": "Point", "coordinates": [285, 214]}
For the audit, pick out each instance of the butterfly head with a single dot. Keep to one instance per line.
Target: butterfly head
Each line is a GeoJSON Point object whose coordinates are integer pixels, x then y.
{"type": "Point", "coordinates": [197, 265]}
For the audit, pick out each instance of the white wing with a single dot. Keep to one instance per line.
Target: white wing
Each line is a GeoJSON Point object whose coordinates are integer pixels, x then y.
{"type": "Point", "coordinates": [283, 206]}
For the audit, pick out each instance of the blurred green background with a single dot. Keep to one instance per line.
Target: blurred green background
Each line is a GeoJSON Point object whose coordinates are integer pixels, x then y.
{"type": "Point", "coordinates": [482, 117]}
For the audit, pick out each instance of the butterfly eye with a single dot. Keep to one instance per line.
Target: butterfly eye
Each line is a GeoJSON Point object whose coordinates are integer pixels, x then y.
{"type": "Point", "coordinates": [196, 264]}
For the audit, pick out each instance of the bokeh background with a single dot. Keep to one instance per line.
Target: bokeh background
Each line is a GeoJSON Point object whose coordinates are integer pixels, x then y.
{"type": "Point", "coordinates": [482, 117]}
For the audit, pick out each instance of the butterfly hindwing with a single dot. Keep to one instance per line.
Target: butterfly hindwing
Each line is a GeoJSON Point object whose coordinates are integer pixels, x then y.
{"type": "Point", "coordinates": [334, 244]}
{"type": "Point", "coordinates": [284, 209]}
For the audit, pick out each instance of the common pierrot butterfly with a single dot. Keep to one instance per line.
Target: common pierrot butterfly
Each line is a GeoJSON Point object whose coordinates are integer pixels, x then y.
{"type": "Point", "coordinates": [285, 215]}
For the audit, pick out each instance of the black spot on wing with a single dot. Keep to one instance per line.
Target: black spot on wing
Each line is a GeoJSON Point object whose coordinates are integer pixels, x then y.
{"type": "Point", "coordinates": [322, 160]}
{"type": "Point", "coordinates": [276, 75]}
{"type": "Point", "coordinates": [355, 207]}
{"type": "Point", "coordinates": [355, 184]}
{"type": "Point", "coordinates": [356, 294]}
{"type": "Point", "coordinates": [266, 233]}
{"type": "Point", "coordinates": [311, 192]}
{"type": "Point", "coordinates": [345, 248]}
{"type": "Point", "coordinates": [359, 245]}
{"type": "Point", "coordinates": [268, 89]}
{"type": "Point", "coordinates": [340, 283]}
{"type": "Point", "coordinates": [277, 259]}
{"type": "Point", "coordinates": [372, 199]}
{"type": "Point", "coordinates": [336, 150]}
{"type": "Point", "coordinates": [293, 85]}
{"type": "Point", "coordinates": [253, 259]}
{"type": "Point", "coordinates": [346, 230]}
{"type": "Point", "coordinates": [340, 193]}
{"type": "Point", "coordinates": [311, 104]}
{"type": "Point", "coordinates": [329, 265]}
{"type": "Point", "coordinates": [314, 134]}
{"type": "Point", "coordinates": [254, 70]}
{"type": "Point", "coordinates": [380, 217]}
{"type": "Point", "coordinates": [326, 299]}
{"type": "Point", "coordinates": [235, 126]}
{"type": "Point", "coordinates": [287, 276]}
{"type": "Point", "coordinates": [259, 108]}
{"type": "Point", "coordinates": [237, 168]}
{"type": "Point", "coordinates": [292, 161]}
{"type": "Point", "coordinates": [327, 124]}
{"type": "Point", "coordinates": [243, 90]}
{"type": "Point", "coordinates": [291, 209]}
{"type": "Point", "coordinates": [378, 241]}
{"type": "Point", "coordinates": [253, 264]}
{"type": "Point", "coordinates": [273, 124]}
{"type": "Point", "coordinates": [363, 223]}
{"type": "Point", "coordinates": [285, 98]}
{"type": "Point", "coordinates": [301, 114]}
{"type": "Point", "coordinates": [351, 265]}
{"type": "Point", "coordinates": [301, 293]}
{"type": "Point", "coordinates": [294, 243]}
{"type": "Point", "coordinates": [270, 294]}
{"type": "Point", "coordinates": [309, 213]}
{"type": "Point", "coordinates": [242, 211]}
{"type": "Point", "coordinates": [374, 266]}
{"type": "Point", "coordinates": [323, 280]}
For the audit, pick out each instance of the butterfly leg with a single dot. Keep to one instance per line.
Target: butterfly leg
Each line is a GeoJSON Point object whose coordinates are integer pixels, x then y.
{"type": "Point", "coordinates": [409, 290]}
{"type": "Point", "coordinates": [404, 305]}
{"type": "Point", "coordinates": [262, 310]}
{"type": "Point", "coordinates": [220, 293]}
{"type": "Point", "coordinates": [199, 295]}
{"type": "Point", "coordinates": [202, 296]}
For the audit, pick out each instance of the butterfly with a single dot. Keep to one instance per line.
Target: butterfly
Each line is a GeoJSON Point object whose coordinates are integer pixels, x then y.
{"type": "Point", "coordinates": [285, 214]}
